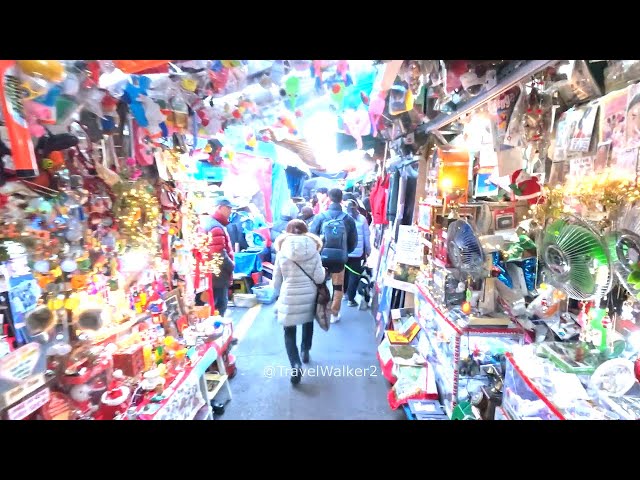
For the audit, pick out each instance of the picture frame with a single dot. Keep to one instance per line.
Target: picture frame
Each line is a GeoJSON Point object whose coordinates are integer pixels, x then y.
{"type": "Point", "coordinates": [175, 307]}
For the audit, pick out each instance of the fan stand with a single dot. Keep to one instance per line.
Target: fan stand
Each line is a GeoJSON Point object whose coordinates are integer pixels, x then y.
{"type": "Point", "coordinates": [487, 302]}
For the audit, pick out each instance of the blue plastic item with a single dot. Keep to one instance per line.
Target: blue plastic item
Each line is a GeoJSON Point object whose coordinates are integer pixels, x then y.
{"type": "Point", "coordinates": [264, 293]}
{"type": "Point", "coordinates": [247, 263]}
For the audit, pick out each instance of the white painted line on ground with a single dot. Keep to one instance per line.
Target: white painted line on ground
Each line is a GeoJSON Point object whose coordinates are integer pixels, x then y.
{"type": "Point", "coordinates": [243, 326]}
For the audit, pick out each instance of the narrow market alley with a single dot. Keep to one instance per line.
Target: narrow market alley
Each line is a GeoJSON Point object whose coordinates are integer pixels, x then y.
{"type": "Point", "coordinates": [346, 383]}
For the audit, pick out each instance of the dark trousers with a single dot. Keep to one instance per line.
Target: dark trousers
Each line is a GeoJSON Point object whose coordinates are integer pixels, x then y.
{"type": "Point", "coordinates": [291, 345]}
{"type": "Point", "coordinates": [351, 280]}
{"type": "Point", "coordinates": [221, 299]}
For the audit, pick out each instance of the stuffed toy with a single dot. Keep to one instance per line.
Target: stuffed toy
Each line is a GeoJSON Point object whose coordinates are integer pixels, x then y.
{"type": "Point", "coordinates": [525, 186]}
{"type": "Point", "coordinates": [357, 124]}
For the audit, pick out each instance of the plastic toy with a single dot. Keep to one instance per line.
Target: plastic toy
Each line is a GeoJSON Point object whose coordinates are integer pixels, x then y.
{"type": "Point", "coordinates": [37, 114]}
{"type": "Point", "coordinates": [136, 66]}
{"type": "Point", "coordinates": [292, 89]}
{"type": "Point", "coordinates": [50, 70]}
{"type": "Point", "coordinates": [357, 123]}
{"type": "Point", "coordinates": [136, 89]}
{"type": "Point", "coordinates": [376, 108]}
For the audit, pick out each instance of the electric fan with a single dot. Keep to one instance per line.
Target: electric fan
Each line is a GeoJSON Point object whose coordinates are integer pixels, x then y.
{"type": "Point", "coordinates": [464, 249]}
{"type": "Point", "coordinates": [576, 258]}
{"type": "Point", "coordinates": [625, 249]}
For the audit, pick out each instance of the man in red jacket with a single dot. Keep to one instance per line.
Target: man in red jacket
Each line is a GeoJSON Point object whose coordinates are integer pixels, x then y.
{"type": "Point", "coordinates": [221, 243]}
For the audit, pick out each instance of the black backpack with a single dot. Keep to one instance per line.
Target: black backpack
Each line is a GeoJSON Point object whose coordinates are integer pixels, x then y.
{"type": "Point", "coordinates": [334, 243]}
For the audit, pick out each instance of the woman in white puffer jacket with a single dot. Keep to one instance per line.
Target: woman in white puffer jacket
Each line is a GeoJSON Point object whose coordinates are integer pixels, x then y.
{"type": "Point", "coordinates": [297, 271]}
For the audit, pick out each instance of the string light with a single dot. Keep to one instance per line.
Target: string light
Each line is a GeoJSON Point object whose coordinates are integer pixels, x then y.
{"type": "Point", "coordinates": [597, 194]}
{"type": "Point", "coordinates": [210, 262]}
{"type": "Point", "coordinates": [138, 211]}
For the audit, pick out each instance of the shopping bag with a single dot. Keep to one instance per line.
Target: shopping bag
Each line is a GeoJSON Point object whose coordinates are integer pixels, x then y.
{"type": "Point", "coordinates": [323, 307]}
{"type": "Point", "coordinates": [323, 299]}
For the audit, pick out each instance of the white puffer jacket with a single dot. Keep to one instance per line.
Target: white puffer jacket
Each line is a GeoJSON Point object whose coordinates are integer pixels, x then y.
{"type": "Point", "coordinates": [296, 304]}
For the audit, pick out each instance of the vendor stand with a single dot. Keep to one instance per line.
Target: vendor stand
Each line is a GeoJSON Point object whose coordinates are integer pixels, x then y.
{"type": "Point", "coordinates": [528, 233]}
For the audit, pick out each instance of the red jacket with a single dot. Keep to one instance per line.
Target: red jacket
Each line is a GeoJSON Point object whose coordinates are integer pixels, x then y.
{"type": "Point", "coordinates": [220, 239]}
{"type": "Point", "coordinates": [378, 200]}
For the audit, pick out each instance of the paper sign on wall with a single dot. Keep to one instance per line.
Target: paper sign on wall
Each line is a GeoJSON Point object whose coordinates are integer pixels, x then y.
{"type": "Point", "coordinates": [579, 167]}
{"type": "Point", "coordinates": [627, 161]}
{"type": "Point", "coordinates": [583, 129]}
{"type": "Point", "coordinates": [408, 247]}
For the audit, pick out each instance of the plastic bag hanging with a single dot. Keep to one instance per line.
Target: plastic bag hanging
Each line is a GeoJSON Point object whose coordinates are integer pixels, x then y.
{"type": "Point", "coordinates": [500, 271]}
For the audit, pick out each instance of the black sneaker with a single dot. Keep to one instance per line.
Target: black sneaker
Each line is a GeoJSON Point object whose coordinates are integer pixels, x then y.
{"type": "Point", "coordinates": [296, 375]}
{"type": "Point", "coordinates": [352, 303]}
{"type": "Point", "coordinates": [305, 356]}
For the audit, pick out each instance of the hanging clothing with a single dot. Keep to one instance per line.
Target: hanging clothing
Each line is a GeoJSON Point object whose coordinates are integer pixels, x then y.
{"type": "Point", "coordinates": [280, 196]}
{"type": "Point", "coordinates": [378, 200]}
{"type": "Point", "coordinates": [402, 184]}
{"type": "Point", "coordinates": [392, 202]}
{"type": "Point", "coordinates": [410, 194]}
{"type": "Point", "coordinates": [295, 179]}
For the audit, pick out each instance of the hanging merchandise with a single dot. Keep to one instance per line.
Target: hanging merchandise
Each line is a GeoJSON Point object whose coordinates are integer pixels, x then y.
{"type": "Point", "coordinates": [504, 108]}
{"type": "Point", "coordinates": [379, 198]}
{"type": "Point", "coordinates": [337, 94]}
{"type": "Point", "coordinates": [137, 66]}
{"type": "Point", "coordinates": [536, 123]}
{"type": "Point", "coordinates": [292, 90]}
{"type": "Point", "coordinates": [357, 124]}
{"type": "Point", "coordinates": [400, 100]}
{"type": "Point", "coordinates": [22, 152]}
{"type": "Point", "coordinates": [525, 187]}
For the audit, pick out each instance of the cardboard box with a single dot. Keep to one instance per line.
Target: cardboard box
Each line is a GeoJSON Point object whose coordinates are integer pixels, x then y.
{"type": "Point", "coordinates": [130, 361]}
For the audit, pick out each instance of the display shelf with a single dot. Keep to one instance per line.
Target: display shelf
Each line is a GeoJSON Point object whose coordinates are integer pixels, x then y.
{"type": "Point", "coordinates": [518, 389]}
{"type": "Point", "coordinates": [524, 71]}
{"type": "Point", "coordinates": [450, 341]}
{"type": "Point", "coordinates": [460, 325]}
{"type": "Point", "coordinates": [113, 332]}
{"type": "Point", "coordinates": [399, 285]}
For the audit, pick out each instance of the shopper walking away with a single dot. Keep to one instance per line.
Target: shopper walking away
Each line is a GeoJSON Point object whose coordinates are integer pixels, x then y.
{"type": "Point", "coordinates": [297, 271]}
{"type": "Point", "coordinates": [221, 243]}
{"type": "Point", "coordinates": [339, 236]}
{"type": "Point", "coordinates": [306, 215]}
{"type": "Point", "coordinates": [287, 213]}
{"type": "Point", "coordinates": [357, 258]}
{"type": "Point", "coordinates": [322, 194]}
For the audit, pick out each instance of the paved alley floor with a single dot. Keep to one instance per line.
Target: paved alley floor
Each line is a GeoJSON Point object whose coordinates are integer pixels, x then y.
{"type": "Point", "coordinates": [346, 382]}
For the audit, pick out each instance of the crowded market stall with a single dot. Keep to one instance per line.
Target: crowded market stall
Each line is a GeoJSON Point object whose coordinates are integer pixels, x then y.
{"type": "Point", "coordinates": [109, 169]}
{"type": "Point", "coordinates": [513, 287]}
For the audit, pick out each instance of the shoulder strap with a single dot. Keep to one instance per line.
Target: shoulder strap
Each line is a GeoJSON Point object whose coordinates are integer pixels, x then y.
{"type": "Point", "coordinates": [303, 270]}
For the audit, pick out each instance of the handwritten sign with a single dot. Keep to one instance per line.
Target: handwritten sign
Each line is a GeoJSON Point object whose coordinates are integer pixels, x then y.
{"type": "Point", "coordinates": [627, 161]}
{"type": "Point", "coordinates": [581, 166]}
{"type": "Point", "coordinates": [408, 247]}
